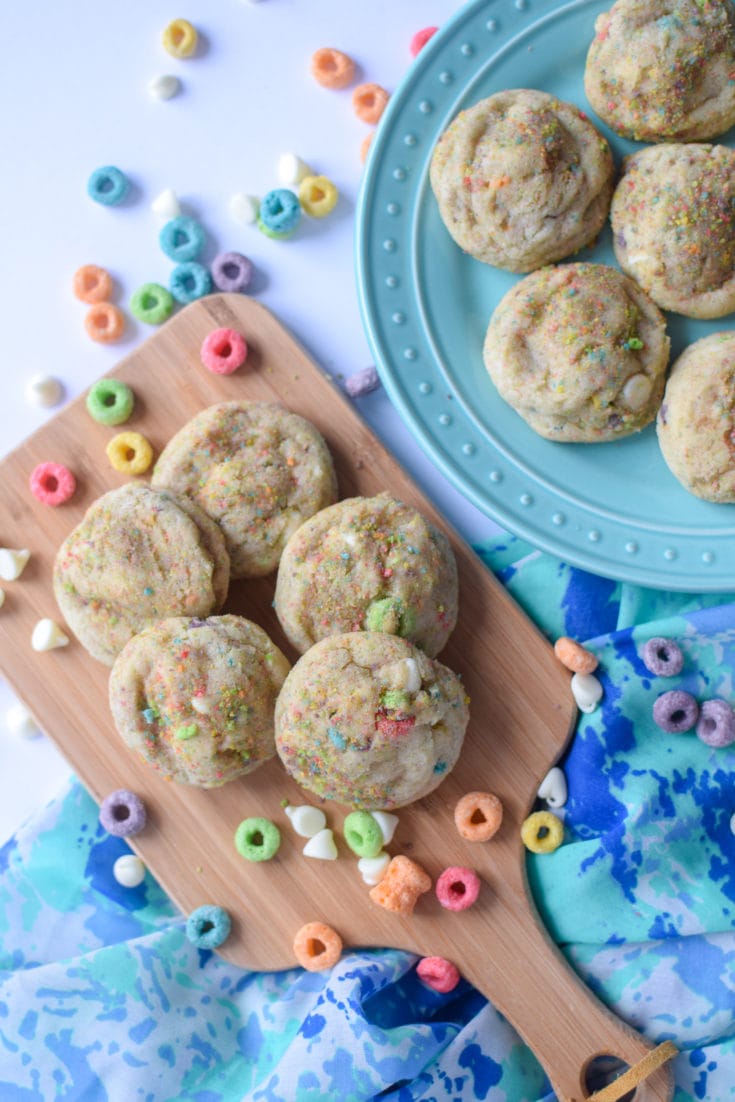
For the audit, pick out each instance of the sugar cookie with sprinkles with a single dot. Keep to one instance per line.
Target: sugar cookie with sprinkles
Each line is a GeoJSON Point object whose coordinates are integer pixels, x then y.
{"type": "Point", "coordinates": [673, 220]}
{"type": "Point", "coordinates": [696, 422]}
{"type": "Point", "coordinates": [367, 720]}
{"type": "Point", "coordinates": [138, 555]}
{"type": "Point", "coordinates": [368, 563]}
{"type": "Point", "coordinates": [195, 697]}
{"type": "Point", "coordinates": [580, 352]}
{"type": "Point", "coordinates": [522, 179]}
{"type": "Point", "coordinates": [257, 469]}
{"type": "Point", "coordinates": [659, 70]}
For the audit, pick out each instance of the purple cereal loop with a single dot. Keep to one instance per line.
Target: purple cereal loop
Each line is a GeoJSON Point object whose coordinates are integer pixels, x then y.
{"type": "Point", "coordinates": [662, 657]}
{"type": "Point", "coordinates": [362, 382]}
{"type": "Point", "coordinates": [716, 723]}
{"type": "Point", "coordinates": [232, 272]}
{"type": "Point", "coordinates": [123, 813]}
{"type": "Point", "coordinates": [676, 711]}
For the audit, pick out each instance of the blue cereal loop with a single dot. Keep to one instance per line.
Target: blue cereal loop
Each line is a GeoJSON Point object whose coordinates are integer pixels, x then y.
{"type": "Point", "coordinates": [182, 238]}
{"type": "Point", "coordinates": [208, 926]}
{"type": "Point", "coordinates": [190, 281]}
{"type": "Point", "coordinates": [108, 185]}
{"type": "Point", "coordinates": [280, 211]}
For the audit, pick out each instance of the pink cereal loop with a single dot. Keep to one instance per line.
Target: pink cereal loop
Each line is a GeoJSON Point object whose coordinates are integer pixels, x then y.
{"type": "Point", "coordinates": [52, 483]}
{"type": "Point", "coordinates": [223, 351]}
{"type": "Point", "coordinates": [438, 974]}
{"type": "Point", "coordinates": [457, 888]}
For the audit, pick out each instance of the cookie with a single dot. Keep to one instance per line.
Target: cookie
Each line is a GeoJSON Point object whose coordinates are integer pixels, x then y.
{"type": "Point", "coordinates": [659, 70]}
{"type": "Point", "coordinates": [139, 555]}
{"type": "Point", "coordinates": [522, 179]}
{"type": "Point", "coordinates": [368, 564]}
{"type": "Point", "coordinates": [368, 720]}
{"type": "Point", "coordinates": [195, 697]}
{"type": "Point", "coordinates": [673, 219]}
{"type": "Point", "coordinates": [580, 352]}
{"type": "Point", "coordinates": [696, 422]}
{"type": "Point", "coordinates": [257, 469]}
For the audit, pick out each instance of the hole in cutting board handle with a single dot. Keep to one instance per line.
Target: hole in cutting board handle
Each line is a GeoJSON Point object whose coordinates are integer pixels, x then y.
{"type": "Point", "coordinates": [602, 1071]}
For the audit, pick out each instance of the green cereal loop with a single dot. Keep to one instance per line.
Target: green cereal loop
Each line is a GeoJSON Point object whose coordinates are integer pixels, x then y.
{"type": "Point", "coordinates": [257, 839]}
{"type": "Point", "coordinates": [362, 834]}
{"type": "Point", "coordinates": [389, 614]}
{"type": "Point", "coordinates": [110, 402]}
{"type": "Point", "coordinates": [152, 303]}
{"type": "Point", "coordinates": [272, 233]}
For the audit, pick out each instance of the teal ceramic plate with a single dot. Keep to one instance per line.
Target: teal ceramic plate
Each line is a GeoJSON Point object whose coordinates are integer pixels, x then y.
{"type": "Point", "coordinates": [611, 508]}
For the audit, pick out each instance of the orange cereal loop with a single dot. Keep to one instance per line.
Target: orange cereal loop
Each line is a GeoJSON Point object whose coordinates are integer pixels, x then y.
{"type": "Point", "coordinates": [331, 68]}
{"type": "Point", "coordinates": [317, 946]}
{"type": "Point", "coordinates": [368, 101]}
{"type": "Point", "coordinates": [404, 881]}
{"type": "Point", "coordinates": [574, 656]}
{"type": "Point", "coordinates": [365, 147]}
{"type": "Point", "coordinates": [92, 283]}
{"type": "Point", "coordinates": [478, 816]}
{"type": "Point", "coordinates": [104, 322]}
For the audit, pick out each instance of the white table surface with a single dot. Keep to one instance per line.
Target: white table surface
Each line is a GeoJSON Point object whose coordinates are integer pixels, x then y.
{"type": "Point", "coordinates": [73, 85]}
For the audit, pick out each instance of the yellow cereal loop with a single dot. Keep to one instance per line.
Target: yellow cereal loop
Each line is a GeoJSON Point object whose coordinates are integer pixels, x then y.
{"type": "Point", "coordinates": [130, 453]}
{"type": "Point", "coordinates": [180, 38]}
{"type": "Point", "coordinates": [317, 195]}
{"type": "Point", "coordinates": [542, 832]}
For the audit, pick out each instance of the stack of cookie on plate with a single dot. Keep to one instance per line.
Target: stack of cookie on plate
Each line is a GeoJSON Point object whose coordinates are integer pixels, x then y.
{"type": "Point", "coordinates": [523, 180]}
{"type": "Point", "coordinates": [366, 592]}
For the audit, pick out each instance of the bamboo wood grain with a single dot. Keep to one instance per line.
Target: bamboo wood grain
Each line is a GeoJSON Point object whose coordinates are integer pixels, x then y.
{"type": "Point", "coordinates": [521, 708]}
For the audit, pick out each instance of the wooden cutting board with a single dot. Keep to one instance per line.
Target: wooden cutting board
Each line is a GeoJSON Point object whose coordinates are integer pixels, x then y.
{"type": "Point", "coordinates": [522, 715]}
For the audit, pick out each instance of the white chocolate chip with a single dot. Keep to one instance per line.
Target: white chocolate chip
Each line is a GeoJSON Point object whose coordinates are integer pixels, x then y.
{"type": "Point", "coordinates": [163, 87]}
{"type": "Point", "coordinates": [553, 788]}
{"type": "Point", "coordinates": [306, 820]}
{"type": "Point", "coordinates": [292, 170]}
{"type": "Point", "coordinates": [48, 636]}
{"type": "Point", "coordinates": [43, 391]}
{"type": "Point", "coordinates": [636, 391]}
{"type": "Point", "coordinates": [166, 205]}
{"type": "Point", "coordinates": [587, 691]}
{"type": "Point", "coordinates": [413, 679]}
{"type": "Point", "coordinates": [129, 870]}
{"type": "Point", "coordinates": [244, 208]}
{"type": "Point", "coordinates": [322, 846]}
{"type": "Point", "coordinates": [372, 869]}
{"type": "Point", "coordinates": [21, 723]}
{"type": "Point", "coordinates": [12, 563]}
{"type": "Point", "coordinates": [387, 823]}
{"type": "Point", "coordinates": [201, 704]}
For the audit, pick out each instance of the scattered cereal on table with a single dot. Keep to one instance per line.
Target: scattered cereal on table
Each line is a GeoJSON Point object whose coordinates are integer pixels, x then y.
{"type": "Point", "coordinates": [21, 723]}
{"type": "Point", "coordinates": [163, 87]}
{"type": "Point", "coordinates": [373, 869]}
{"type": "Point", "coordinates": [332, 68]}
{"type": "Point", "coordinates": [279, 213]}
{"type": "Point", "coordinates": [47, 635]}
{"type": "Point", "coordinates": [662, 657]}
{"type": "Point", "coordinates": [574, 656]}
{"type": "Point", "coordinates": [180, 38]}
{"type": "Point", "coordinates": [419, 40]}
{"type": "Point", "coordinates": [110, 402]}
{"type": "Point", "coordinates": [321, 846]}
{"type": "Point", "coordinates": [317, 946]}
{"type": "Point", "coordinates": [306, 819]}
{"type": "Point", "coordinates": [369, 102]}
{"type": "Point", "coordinates": [189, 281]}
{"type": "Point", "coordinates": [244, 208]}
{"type": "Point", "coordinates": [43, 391]}
{"type": "Point", "coordinates": [716, 723]}
{"type": "Point", "coordinates": [400, 888]}
{"type": "Point", "coordinates": [108, 185]}
{"type": "Point", "coordinates": [362, 382]}
{"type": "Point", "coordinates": [457, 888]}
{"type": "Point", "coordinates": [675, 712]}
{"type": "Point", "coordinates": [257, 839]}
{"type": "Point", "coordinates": [104, 322]}
{"type": "Point", "coordinates": [152, 304]}
{"type": "Point", "coordinates": [129, 871]}
{"type": "Point", "coordinates": [318, 196]}
{"type": "Point", "coordinates": [438, 974]}
{"type": "Point", "coordinates": [130, 453]}
{"type": "Point", "coordinates": [223, 351]}
{"type": "Point", "coordinates": [363, 834]}
{"type": "Point", "coordinates": [542, 832]}
{"type": "Point", "coordinates": [586, 690]}
{"type": "Point", "coordinates": [291, 170]}
{"type": "Point", "coordinates": [123, 813]}
{"type": "Point", "coordinates": [553, 788]}
{"type": "Point", "coordinates": [208, 926]}
{"type": "Point", "coordinates": [182, 238]}
{"type": "Point", "coordinates": [232, 271]}
{"type": "Point", "coordinates": [166, 205]}
{"type": "Point", "coordinates": [92, 284]}
{"type": "Point", "coordinates": [52, 483]}
{"type": "Point", "coordinates": [13, 562]}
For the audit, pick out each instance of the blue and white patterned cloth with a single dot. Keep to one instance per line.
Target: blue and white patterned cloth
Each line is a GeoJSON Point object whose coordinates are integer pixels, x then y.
{"type": "Point", "coordinates": [102, 998]}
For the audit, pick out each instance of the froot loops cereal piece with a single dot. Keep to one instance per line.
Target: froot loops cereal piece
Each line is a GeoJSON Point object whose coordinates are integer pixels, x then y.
{"type": "Point", "coordinates": [110, 402]}
{"type": "Point", "coordinates": [104, 322]}
{"type": "Point", "coordinates": [123, 813]}
{"type": "Point", "coordinates": [232, 272]}
{"type": "Point", "coordinates": [369, 102]}
{"type": "Point", "coordinates": [152, 304]}
{"type": "Point", "coordinates": [52, 483]}
{"type": "Point", "coordinates": [47, 635]}
{"type": "Point", "coordinates": [574, 656]}
{"type": "Point", "coordinates": [279, 213]}
{"type": "Point", "coordinates": [129, 871]}
{"type": "Point", "coordinates": [92, 284]}
{"type": "Point", "coordinates": [400, 888]}
{"type": "Point", "coordinates": [182, 238]}
{"type": "Point", "coordinates": [108, 186]}
{"type": "Point", "coordinates": [362, 382]}
{"type": "Point", "coordinates": [317, 946]}
{"type": "Point", "coordinates": [190, 281]}
{"type": "Point", "coordinates": [208, 926]}
{"type": "Point", "coordinates": [675, 711]}
{"type": "Point", "coordinates": [553, 788]}
{"type": "Point", "coordinates": [165, 86]}
{"type": "Point", "coordinates": [331, 68]}
{"type": "Point", "coordinates": [542, 832]}
{"type": "Point", "coordinates": [716, 723]}
{"type": "Point", "coordinates": [478, 815]}
{"type": "Point", "coordinates": [438, 974]}
{"type": "Point", "coordinates": [419, 40]}
{"type": "Point", "coordinates": [13, 562]}
{"type": "Point", "coordinates": [662, 657]}
{"type": "Point", "coordinates": [257, 839]}
{"type": "Point", "coordinates": [363, 834]}
{"type": "Point", "coordinates": [130, 453]}
{"type": "Point", "coordinates": [318, 196]}
{"type": "Point", "coordinates": [44, 391]}
{"type": "Point", "coordinates": [223, 351]}
{"type": "Point", "coordinates": [457, 888]}
{"type": "Point", "coordinates": [179, 38]}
